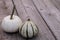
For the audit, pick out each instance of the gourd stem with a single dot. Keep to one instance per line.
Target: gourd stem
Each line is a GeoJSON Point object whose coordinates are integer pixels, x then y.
{"type": "Point", "coordinates": [28, 20]}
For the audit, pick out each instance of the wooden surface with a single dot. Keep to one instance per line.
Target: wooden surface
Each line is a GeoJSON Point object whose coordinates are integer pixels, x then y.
{"type": "Point", "coordinates": [43, 13]}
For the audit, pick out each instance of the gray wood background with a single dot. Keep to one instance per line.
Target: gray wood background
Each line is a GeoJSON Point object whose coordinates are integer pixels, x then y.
{"type": "Point", "coordinates": [44, 13]}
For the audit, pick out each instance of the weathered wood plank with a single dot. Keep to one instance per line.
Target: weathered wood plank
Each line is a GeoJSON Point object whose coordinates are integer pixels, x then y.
{"type": "Point", "coordinates": [56, 3]}
{"type": "Point", "coordinates": [3, 10]}
{"type": "Point", "coordinates": [51, 15]}
{"type": "Point", "coordinates": [27, 7]}
{"type": "Point", "coordinates": [26, 10]}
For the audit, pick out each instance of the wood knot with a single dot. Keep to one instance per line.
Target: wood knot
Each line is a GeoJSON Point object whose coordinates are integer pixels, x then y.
{"type": "Point", "coordinates": [49, 14]}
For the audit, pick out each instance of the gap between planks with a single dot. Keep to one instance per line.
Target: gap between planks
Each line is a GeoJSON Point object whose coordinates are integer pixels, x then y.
{"type": "Point", "coordinates": [51, 15]}
{"type": "Point", "coordinates": [45, 21]}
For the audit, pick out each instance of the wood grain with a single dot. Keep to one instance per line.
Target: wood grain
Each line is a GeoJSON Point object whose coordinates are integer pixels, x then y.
{"type": "Point", "coordinates": [26, 9]}
{"type": "Point", "coordinates": [31, 12]}
{"type": "Point", "coordinates": [50, 14]}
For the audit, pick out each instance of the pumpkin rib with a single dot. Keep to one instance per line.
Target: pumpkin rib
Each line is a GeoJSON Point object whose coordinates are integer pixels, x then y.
{"type": "Point", "coordinates": [32, 29]}
{"type": "Point", "coordinates": [37, 28]}
{"type": "Point", "coordinates": [21, 28]}
{"type": "Point", "coordinates": [27, 31]}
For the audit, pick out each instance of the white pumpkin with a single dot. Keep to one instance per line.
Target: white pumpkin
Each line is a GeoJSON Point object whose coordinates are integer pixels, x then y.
{"type": "Point", "coordinates": [28, 29]}
{"type": "Point", "coordinates": [11, 25]}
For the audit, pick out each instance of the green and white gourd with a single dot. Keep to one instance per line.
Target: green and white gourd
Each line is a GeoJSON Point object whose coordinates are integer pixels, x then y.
{"type": "Point", "coordinates": [28, 29]}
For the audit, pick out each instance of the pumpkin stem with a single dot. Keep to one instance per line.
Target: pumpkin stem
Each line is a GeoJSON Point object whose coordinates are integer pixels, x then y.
{"type": "Point", "coordinates": [12, 13]}
{"type": "Point", "coordinates": [13, 10]}
{"type": "Point", "coordinates": [28, 20]}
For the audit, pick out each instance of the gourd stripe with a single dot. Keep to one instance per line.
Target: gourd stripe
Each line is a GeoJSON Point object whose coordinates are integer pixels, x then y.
{"type": "Point", "coordinates": [32, 29]}
{"type": "Point", "coordinates": [21, 28]}
{"type": "Point", "coordinates": [27, 31]}
{"type": "Point", "coordinates": [37, 28]}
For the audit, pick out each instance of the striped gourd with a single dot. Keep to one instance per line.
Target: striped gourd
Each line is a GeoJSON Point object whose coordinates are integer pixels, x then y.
{"type": "Point", "coordinates": [28, 29]}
